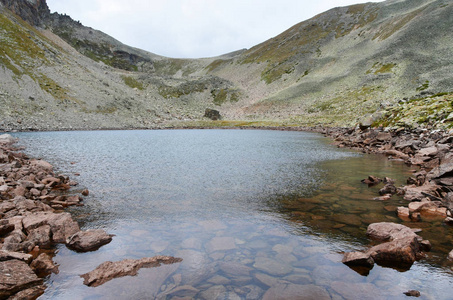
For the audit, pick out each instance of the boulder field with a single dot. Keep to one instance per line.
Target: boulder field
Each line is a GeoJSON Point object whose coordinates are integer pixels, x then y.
{"type": "Point", "coordinates": [428, 192]}
{"type": "Point", "coordinates": [32, 220]}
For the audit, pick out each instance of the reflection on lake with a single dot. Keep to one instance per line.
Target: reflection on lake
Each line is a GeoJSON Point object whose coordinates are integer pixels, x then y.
{"type": "Point", "coordinates": [253, 214]}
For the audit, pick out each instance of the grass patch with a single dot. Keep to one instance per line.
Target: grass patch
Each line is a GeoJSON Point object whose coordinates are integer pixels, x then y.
{"type": "Point", "coordinates": [423, 87]}
{"type": "Point", "coordinates": [433, 111]}
{"type": "Point", "coordinates": [215, 64]}
{"type": "Point", "coordinates": [132, 82]}
{"type": "Point", "coordinates": [187, 88]}
{"type": "Point", "coordinates": [379, 68]}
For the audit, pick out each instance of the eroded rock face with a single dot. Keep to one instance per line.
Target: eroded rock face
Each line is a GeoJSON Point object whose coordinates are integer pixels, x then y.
{"type": "Point", "coordinates": [89, 240]}
{"type": "Point", "coordinates": [32, 11]}
{"type": "Point", "coordinates": [128, 267]}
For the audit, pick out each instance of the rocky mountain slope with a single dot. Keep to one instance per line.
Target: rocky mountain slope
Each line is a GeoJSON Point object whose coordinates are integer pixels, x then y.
{"type": "Point", "coordinates": [334, 69]}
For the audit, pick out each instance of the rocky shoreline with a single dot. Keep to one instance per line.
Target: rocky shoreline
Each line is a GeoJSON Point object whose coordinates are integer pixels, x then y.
{"type": "Point", "coordinates": [429, 191]}
{"type": "Point", "coordinates": [33, 221]}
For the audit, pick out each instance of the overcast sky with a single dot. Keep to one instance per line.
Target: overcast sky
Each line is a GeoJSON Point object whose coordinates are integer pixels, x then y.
{"type": "Point", "coordinates": [193, 28]}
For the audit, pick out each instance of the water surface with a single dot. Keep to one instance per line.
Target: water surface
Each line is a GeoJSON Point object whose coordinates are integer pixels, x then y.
{"type": "Point", "coordinates": [248, 211]}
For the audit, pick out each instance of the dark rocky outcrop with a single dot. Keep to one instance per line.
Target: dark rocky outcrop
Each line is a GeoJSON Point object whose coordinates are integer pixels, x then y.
{"type": "Point", "coordinates": [212, 114]}
{"type": "Point", "coordinates": [33, 11]}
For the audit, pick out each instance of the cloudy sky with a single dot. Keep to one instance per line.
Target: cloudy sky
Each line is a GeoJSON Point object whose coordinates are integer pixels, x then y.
{"type": "Point", "coordinates": [193, 28]}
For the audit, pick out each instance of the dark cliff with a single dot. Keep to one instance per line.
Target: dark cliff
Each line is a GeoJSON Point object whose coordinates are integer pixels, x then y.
{"type": "Point", "coordinates": [34, 12]}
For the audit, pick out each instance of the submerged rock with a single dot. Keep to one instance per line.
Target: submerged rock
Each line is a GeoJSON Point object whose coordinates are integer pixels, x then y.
{"type": "Point", "coordinates": [412, 293]}
{"type": "Point", "coordinates": [128, 267]}
{"type": "Point", "coordinates": [296, 291]}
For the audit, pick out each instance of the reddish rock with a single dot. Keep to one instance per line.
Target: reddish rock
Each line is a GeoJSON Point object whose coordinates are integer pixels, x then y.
{"type": "Point", "coordinates": [396, 153]}
{"type": "Point", "coordinates": [5, 227]}
{"type": "Point", "coordinates": [430, 151]}
{"type": "Point", "coordinates": [13, 241]}
{"type": "Point", "coordinates": [383, 136]}
{"type": "Point", "coordinates": [29, 294]}
{"type": "Point", "coordinates": [40, 236]}
{"type": "Point", "coordinates": [61, 224]}
{"type": "Point", "coordinates": [50, 181]}
{"type": "Point", "coordinates": [85, 192]}
{"type": "Point", "coordinates": [372, 180]}
{"type": "Point", "coordinates": [399, 252]}
{"type": "Point", "coordinates": [403, 213]}
{"type": "Point", "coordinates": [418, 193]}
{"type": "Point", "coordinates": [16, 275]}
{"type": "Point", "coordinates": [412, 293]}
{"type": "Point", "coordinates": [428, 209]}
{"type": "Point", "coordinates": [128, 267]}
{"type": "Point", "coordinates": [385, 231]}
{"type": "Point", "coordinates": [41, 164]}
{"type": "Point", "coordinates": [89, 240]}
{"type": "Point", "coordinates": [401, 249]}
{"type": "Point", "coordinates": [43, 265]}
{"type": "Point", "coordinates": [358, 259]}
{"type": "Point", "coordinates": [10, 255]}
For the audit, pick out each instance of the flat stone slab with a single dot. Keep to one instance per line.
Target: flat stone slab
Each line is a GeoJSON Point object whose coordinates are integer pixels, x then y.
{"type": "Point", "coordinates": [387, 231]}
{"type": "Point", "coordinates": [128, 267]}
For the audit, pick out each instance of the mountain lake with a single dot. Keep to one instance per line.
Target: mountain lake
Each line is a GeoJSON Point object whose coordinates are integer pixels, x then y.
{"type": "Point", "coordinates": [252, 213]}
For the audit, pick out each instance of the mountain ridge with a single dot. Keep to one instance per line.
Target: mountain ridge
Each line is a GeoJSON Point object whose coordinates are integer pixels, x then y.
{"type": "Point", "coordinates": [333, 69]}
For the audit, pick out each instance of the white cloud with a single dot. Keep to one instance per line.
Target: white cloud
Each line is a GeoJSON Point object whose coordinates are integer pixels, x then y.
{"type": "Point", "coordinates": [192, 28]}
